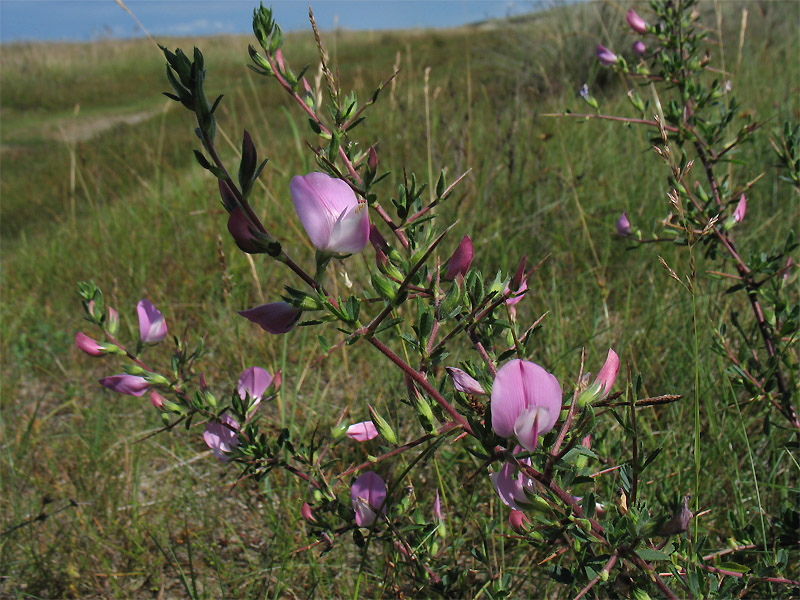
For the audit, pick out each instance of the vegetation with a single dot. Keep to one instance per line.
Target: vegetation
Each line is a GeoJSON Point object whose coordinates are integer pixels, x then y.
{"type": "Point", "coordinates": [92, 505]}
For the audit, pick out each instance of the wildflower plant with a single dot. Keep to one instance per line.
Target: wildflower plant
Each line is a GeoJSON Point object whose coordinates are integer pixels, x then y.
{"type": "Point", "coordinates": [473, 381]}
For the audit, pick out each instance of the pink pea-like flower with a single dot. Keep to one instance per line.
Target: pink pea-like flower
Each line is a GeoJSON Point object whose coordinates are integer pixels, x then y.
{"type": "Point", "coordinates": [331, 214]}
{"type": "Point", "coordinates": [605, 56]}
{"type": "Point", "coordinates": [464, 382]}
{"type": "Point", "coordinates": [132, 385]}
{"type": "Point", "coordinates": [221, 436]}
{"type": "Point", "coordinates": [275, 317]}
{"type": "Point", "coordinates": [639, 48]}
{"type": "Point", "coordinates": [253, 381]}
{"type": "Point", "coordinates": [460, 260]}
{"type": "Point", "coordinates": [367, 495]}
{"type": "Point", "coordinates": [636, 22]}
{"type": "Point", "coordinates": [362, 432]}
{"type": "Point", "coordinates": [526, 402]}
{"type": "Point", "coordinates": [152, 326]}
{"type": "Point", "coordinates": [623, 225]}
{"type": "Point", "coordinates": [88, 345]}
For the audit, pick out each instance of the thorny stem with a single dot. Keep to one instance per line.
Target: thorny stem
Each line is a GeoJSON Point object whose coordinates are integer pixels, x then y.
{"type": "Point", "coordinates": [606, 568]}
{"type": "Point", "coordinates": [570, 414]}
{"type": "Point", "coordinates": [423, 383]}
{"type": "Point", "coordinates": [611, 118]}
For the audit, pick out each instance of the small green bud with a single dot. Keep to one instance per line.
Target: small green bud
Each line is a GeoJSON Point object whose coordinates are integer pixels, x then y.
{"type": "Point", "coordinates": [384, 429]}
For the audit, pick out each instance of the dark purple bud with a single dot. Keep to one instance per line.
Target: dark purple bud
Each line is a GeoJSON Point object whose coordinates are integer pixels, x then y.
{"type": "Point", "coordinates": [461, 260]}
{"type": "Point", "coordinates": [372, 159]}
{"type": "Point", "coordinates": [239, 228]}
{"type": "Point", "coordinates": [275, 317]}
{"type": "Point", "coordinates": [229, 200]}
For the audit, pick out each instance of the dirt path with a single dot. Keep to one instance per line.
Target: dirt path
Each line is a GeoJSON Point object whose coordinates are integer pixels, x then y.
{"type": "Point", "coordinates": [83, 129]}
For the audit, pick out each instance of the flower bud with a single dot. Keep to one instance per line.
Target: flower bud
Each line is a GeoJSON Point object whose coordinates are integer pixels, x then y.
{"type": "Point", "coordinates": [274, 318]}
{"type": "Point", "coordinates": [156, 399]}
{"type": "Point", "coordinates": [239, 228]}
{"type": "Point", "coordinates": [639, 48]}
{"type": "Point", "coordinates": [126, 384]}
{"type": "Point", "coordinates": [372, 159]}
{"type": "Point", "coordinates": [605, 56]}
{"type": "Point", "coordinates": [88, 345]}
{"type": "Point", "coordinates": [636, 22]}
{"type": "Point", "coordinates": [305, 512]}
{"type": "Point", "coordinates": [624, 226]}
{"type": "Point", "coordinates": [465, 383]}
{"type": "Point", "coordinates": [459, 262]}
{"type": "Point", "coordinates": [112, 324]}
{"type": "Point", "coordinates": [362, 432]}
{"type": "Point", "coordinates": [518, 520]}
{"type": "Point", "coordinates": [384, 429]}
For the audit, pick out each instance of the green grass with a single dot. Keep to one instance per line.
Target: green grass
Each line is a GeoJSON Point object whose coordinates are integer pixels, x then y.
{"type": "Point", "coordinates": [142, 219]}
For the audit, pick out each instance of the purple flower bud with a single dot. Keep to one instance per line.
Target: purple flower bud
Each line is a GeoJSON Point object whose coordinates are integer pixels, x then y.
{"type": "Point", "coordinates": [330, 213]}
{"type": "Point", "coordinates": [741, 209]}
{"type": "Point", "coordinates": [461, 260]}
{"type": "Point", "coordinates": [88, 345]}
{"type": "Point", "coordinates": [464, 383]}
{"type": "Point", "coordinates": [377, 240]}
{"type": "Point", "coordinates": [275, 317]}
{"type": "Point", "coordinates": [253, 381]}
{"type": "Point", "coordinates": [623, 225]}
{"type": "Point", "coordinates": [152, 326]}
{"type": "Point", "coordinates": [636, 22]}
{"type": "Point", "coordinates": [221, 436]}
{"type": "Point", "coordinates": [156, 399]}
{"type": "Point", "coordinates": [367, 494]}
{"type": "Point", "coordinates": [113, 320]}
{"type": "Point", "coordinates": [126, 384]}
{"type": "Point", "coordinates": [639, 48]}
{"type": "Point", "coordinates": [526, 402]}
{"type": "Point", "coordinates": [605, 56]}
{"type": "Point", "coordinates": [362, 432]}
{"type": "Point", "coordinates": [239, 228]}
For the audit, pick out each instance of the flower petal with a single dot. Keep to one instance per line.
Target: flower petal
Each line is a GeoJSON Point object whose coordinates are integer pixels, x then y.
{"type": "Point", "coordinates": [253, 381]}
{"type": "Point", "coordinates": [126, 384]}
{"type": "Point", "coordinates": [367, 494]}
{"type": "Point", "coordinates": [350, 232]}
{"type": "Point", "coordinates": [464, 382]}
{"type": "Point", "coordinates": [221, 436]}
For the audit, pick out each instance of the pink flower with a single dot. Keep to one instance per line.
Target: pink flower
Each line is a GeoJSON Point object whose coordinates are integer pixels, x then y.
{"type": "Point", "coordinates": [526, 402]}
{"type": "Point", "coordinates": [253, 382]}
{"type": "Point", "coordinates": [126, 384]}
{"type": "Point", "coordinates": [88, 345]}
{"type": "Point", "coordinates": [605, 56]}
{"type": "Point", "coordinates": [221, 436]}
{"type": "Point", "coordinates": [362, 432]}
{"type": "Point", "coordinates": [461, 260]}
{"type": "Point", "coordinates": [367, 495]}
{"type": "Point", "coordinates": [639, 48]}
{"type": "Point", "coordinates": [623, 225]}
{"type": "Point", "coordinates": [636, 22]}
{"type": "Point", "coordinates": [741, 209]}
{"type": "Point", "coordinates": [152, 327]}
{"type": "Point", "coordinates": [332, 216]}
{"type": "Point", "coordinates": [275, 317]}
{"type": "Point", "coordinates": [465, 383]}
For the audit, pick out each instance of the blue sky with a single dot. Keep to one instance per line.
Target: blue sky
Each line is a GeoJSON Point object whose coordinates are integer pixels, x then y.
{"type": "Point", "coordinates": [83, 20]}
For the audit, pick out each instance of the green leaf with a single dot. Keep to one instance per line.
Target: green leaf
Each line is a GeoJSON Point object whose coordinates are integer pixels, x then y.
{"type": "Point", "coordinates": [649, 554]}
